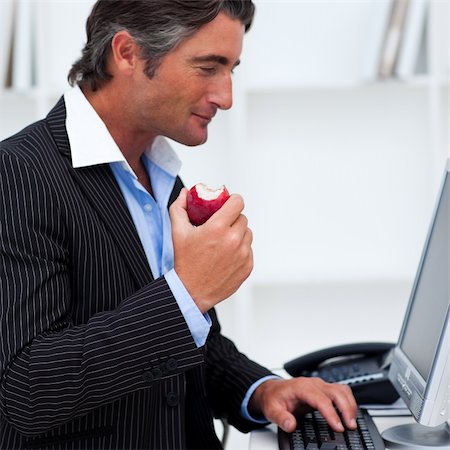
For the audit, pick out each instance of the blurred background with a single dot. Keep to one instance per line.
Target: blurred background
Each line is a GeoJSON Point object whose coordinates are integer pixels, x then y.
{"type": "Point", "coordinates": [337, 141]}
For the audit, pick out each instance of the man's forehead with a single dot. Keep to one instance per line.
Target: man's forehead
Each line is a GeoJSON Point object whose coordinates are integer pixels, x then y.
{"type": "Point", "coordinates": [218, 41]}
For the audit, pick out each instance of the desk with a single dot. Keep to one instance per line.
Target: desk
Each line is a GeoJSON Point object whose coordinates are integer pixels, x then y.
{"type": "Point", "coordinates": [266, 439]}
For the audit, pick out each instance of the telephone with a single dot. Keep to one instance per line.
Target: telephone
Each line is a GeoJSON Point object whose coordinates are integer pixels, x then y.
{"type": "Point", "coordinates": [363, 366]}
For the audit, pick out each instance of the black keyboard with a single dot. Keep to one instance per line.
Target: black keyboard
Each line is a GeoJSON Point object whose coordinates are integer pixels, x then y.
{"type": "Point", "coordinates": [313, 433]}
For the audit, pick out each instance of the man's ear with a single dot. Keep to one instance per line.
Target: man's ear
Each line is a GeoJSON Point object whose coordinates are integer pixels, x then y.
{"type": "Point", "coordinates": [124, 52]}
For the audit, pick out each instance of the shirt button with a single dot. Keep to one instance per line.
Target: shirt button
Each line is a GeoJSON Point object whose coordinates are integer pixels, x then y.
{"type": "Point", "coordinates": [148, 207]}
{"type": "Point", "coordinates": [172, 399]}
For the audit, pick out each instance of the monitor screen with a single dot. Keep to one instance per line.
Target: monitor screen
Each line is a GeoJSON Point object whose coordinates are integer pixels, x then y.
{"type": "Point", "coordinates": [428, 309]}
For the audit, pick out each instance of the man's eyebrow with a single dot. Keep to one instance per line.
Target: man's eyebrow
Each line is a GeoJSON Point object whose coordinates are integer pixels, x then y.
{"type": "Point", "coordinates": [215, 59]}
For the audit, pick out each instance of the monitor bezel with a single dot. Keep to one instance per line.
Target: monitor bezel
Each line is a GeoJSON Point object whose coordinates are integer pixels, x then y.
{"type": "Point", "coordinates": [419, 394]}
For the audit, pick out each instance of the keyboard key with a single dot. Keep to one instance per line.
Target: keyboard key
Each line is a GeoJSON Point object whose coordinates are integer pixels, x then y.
{"type": "Point", "coordinates": [328, 446]}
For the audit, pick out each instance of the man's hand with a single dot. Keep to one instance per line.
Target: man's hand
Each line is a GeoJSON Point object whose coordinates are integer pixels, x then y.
{"type": "Point", "coordinates": [279, 400]}
{"type": "Point", "coordinates": [214, 259]}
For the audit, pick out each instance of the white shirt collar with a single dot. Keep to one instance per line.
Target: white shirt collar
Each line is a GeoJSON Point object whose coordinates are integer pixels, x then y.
{"type": "Point", "coordinates": [91, 143]}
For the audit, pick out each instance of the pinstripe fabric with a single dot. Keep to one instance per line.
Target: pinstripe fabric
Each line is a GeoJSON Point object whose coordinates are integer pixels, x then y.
{"type": "Point", "coordinates": [95, 353]}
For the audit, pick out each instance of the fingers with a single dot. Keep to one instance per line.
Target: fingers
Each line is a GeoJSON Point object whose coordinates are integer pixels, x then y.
{"type": "Point", "coordinates": [329, 413]}
{"type": "Point", "coordinates": [243, 232]}
{"type": "Point", "coordinates": [280, 401]}
{"type": "Point", "coordinates": [230, 216]}
{"type": "Point", "coordinates": [331, 396]}
{"type": "Point", "coordinates": [229, 212]}
{"type": "Point", "coordinates": [248, 236]}
{"type": "Point", "coordinates": [346, 404]}
{"type": "Point", "coordinates": [227, 215]}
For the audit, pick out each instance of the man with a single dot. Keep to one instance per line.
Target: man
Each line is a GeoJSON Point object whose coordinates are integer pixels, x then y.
{"type": "Point", "coordinates": [109, 335]}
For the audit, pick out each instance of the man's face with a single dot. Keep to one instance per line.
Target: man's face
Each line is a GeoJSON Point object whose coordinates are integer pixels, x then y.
{"type": "Point", "coordinates": [191, 83]}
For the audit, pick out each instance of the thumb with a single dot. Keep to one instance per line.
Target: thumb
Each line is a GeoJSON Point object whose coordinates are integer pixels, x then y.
{"type": "Point", "coordinates": [178, 208]}
{"type": "Point", "coordinates": [285, 420]}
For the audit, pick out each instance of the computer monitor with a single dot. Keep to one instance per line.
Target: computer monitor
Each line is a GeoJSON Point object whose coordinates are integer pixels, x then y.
{"type": "Point", "coordinates": [420, 367]}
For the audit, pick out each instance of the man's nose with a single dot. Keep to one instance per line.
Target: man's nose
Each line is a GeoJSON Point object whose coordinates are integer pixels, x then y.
{"type": "Point", "coordinates": [222, 93]}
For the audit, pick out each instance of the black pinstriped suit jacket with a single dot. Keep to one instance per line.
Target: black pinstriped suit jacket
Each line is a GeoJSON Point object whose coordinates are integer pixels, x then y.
{"type": "Point", "coordinates": [95, 353]}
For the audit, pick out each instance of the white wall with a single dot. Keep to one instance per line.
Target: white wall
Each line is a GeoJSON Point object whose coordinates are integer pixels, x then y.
{"type": "Point", "coordinates": [339, 173]}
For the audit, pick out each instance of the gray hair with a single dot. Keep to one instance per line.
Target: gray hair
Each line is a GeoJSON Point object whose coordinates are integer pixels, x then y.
{"type": "Point", "coordinates": [157, 26]}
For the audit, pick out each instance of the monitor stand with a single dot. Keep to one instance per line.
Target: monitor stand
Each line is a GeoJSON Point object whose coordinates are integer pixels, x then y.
{"type": "Point", "coordinates": [413, 436]}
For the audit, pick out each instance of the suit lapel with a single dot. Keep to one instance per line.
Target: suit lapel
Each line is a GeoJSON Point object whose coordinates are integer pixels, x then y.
{"type": "Point", "coordinates": [100, 187]}
{"type": "Point", "coordinates": [175, 191]}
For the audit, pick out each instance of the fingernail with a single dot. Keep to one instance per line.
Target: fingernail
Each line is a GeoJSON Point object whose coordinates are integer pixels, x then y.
{"type": "Point", "coordinates": [340, 426]}
{"type": "Point", "coordinates": [286, 425]}
{"type": "Point", "coordinates": [353, 423]}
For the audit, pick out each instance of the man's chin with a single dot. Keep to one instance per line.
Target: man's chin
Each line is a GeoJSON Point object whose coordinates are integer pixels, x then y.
{"type": "Point", "coordinates": [193, 141]}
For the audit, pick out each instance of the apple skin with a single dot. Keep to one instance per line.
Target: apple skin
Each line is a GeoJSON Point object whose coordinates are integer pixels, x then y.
{"type": "Point", "coordinates": [199, 208]}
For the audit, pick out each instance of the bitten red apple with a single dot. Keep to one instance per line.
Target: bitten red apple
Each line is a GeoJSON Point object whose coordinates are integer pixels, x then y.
{"type": "Point", "coordinates": [203, 202]}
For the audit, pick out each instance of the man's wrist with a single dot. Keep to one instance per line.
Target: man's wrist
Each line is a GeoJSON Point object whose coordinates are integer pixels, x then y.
{"type": "Point", "coordinates": [251, 405]}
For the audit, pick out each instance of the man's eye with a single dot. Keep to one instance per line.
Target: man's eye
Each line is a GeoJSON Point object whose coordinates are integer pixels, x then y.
{"type": "Point", "coordinates": [208, 70]}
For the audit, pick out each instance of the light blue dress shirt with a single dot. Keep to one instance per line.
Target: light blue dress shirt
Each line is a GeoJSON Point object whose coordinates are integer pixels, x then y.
{"type": "Point", "coordinates": [152, 221]}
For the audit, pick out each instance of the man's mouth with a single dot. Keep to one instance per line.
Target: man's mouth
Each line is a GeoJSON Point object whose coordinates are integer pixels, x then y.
{"type": "Point", "coordinates": [208, 119]}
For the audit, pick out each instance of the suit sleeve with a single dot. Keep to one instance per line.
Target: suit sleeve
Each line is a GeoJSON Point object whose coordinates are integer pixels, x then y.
{"type": "Point", "coordinates": [229, 375]}
{"type": "Point", "coordinates": [50, 370]}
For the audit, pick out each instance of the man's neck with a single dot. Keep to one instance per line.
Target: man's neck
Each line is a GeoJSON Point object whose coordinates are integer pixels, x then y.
{"type": "Point", "coordinates": [131, 143]}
